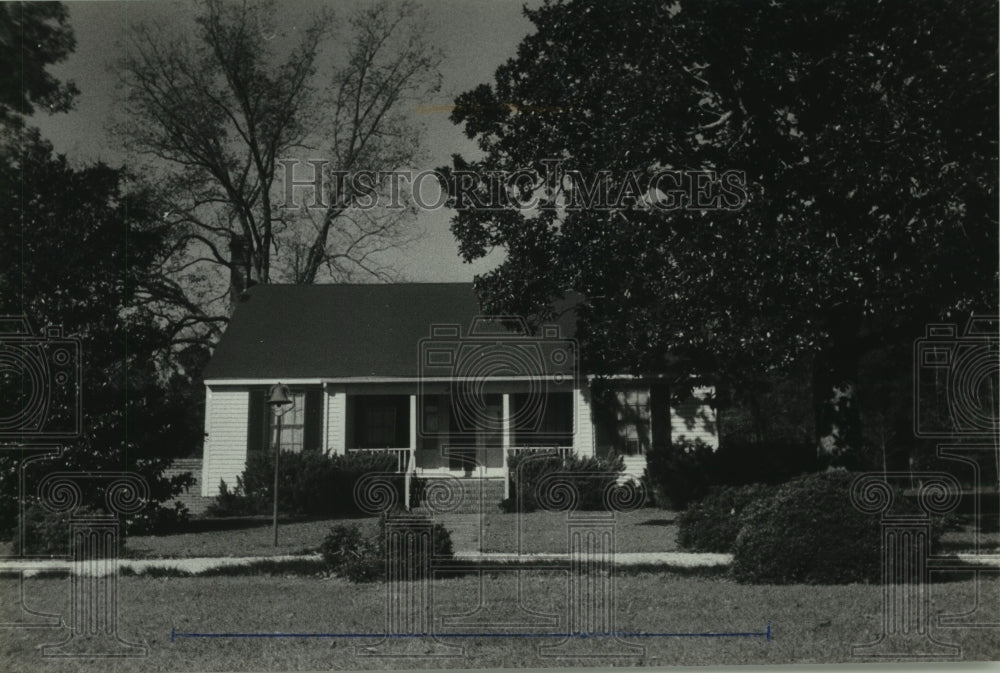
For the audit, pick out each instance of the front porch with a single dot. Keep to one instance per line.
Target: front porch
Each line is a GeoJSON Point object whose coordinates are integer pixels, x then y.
{"type": "Point", "coordinates": [443, 433]}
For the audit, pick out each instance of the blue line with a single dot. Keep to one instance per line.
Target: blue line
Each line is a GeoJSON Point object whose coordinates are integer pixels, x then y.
{"type": "Point", "coordinates": [620, 634]}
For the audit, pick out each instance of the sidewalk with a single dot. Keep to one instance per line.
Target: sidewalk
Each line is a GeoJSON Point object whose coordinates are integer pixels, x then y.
{"type": "Point", "coordinates": [203, 564]}
{"type": "Point", "coordinates": [662, 560]}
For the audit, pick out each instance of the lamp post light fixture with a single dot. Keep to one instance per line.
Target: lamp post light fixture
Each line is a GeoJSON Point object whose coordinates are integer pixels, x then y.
{"type": "Point", "coordinates": [280, 401]}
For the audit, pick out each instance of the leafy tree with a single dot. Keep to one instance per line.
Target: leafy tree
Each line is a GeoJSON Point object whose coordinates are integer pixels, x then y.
{"type": "Point", "coordinates": [225, 111]}
{"type": "Point", "coordinates": [867, 134]}
{"type": "Point", "coordinates": [80, 244]}
{"type": "Point", "coordinates": [33, 36]}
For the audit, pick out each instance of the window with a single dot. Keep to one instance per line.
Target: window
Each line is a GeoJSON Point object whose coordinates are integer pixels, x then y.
{"type": "Point", "coordinates": [293, 424]}
{"type": "Point", "coordinates": [633, 422]}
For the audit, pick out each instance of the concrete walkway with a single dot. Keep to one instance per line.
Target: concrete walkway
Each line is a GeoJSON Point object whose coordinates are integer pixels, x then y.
{"type": "Point", "coordinates": [663, 560]}
{"type": "Point", "coordinates": [203, 564]}
{"type": "Point", "coordinates": [100, 568]}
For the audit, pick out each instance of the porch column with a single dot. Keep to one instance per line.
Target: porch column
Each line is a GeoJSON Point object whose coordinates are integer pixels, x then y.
{"type": "Point", "coordinates": [413, 430]}
{"type": "Point", "coordinates": [505, 443]}
{"type": "Point", "coordinates": [583, 426]}
{"type": "Point", "coordinates": [336, 419]}
{"type": "Point", "coordinates": [411, 463]}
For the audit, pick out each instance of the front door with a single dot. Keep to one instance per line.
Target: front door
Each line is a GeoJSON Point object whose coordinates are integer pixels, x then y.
{"type": "Point", "coordinates": [471, 451]}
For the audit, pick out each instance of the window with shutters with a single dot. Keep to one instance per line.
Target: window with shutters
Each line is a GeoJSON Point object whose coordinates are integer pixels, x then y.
{"type": "Point", "coordinates": [633, 422]}
{"type": "Point", "coordinates": [301, 424]}
{"type": "Point", "coordinates": [293, 424]}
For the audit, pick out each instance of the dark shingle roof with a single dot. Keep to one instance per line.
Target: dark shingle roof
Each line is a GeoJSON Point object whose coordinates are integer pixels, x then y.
{"type": "Point", "coordinates": [340, 331]}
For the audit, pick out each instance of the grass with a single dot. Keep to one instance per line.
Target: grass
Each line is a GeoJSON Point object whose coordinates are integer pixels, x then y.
{"type": "Point", "coordinates": [810, 624]}
{"type": "Point", "coordinates": [643, 530]}
{"type": "Point", "coordinates": [243, 536]}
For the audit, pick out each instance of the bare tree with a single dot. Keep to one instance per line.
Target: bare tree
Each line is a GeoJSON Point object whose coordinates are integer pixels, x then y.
{"type": "Point", "coordinates": [222, 110]}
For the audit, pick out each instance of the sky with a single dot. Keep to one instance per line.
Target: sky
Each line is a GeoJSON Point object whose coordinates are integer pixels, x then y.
{"type": "Point", "coordinates": [476, 35]}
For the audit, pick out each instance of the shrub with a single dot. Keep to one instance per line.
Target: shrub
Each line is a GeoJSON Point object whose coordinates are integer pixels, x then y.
{"type": "Point", "coordinates": [235, 502]}
{"type": "Point", "coordinates": [352, 467]}
{"type": "Point", "coordinates": [589, 476]}
{"type": "Point", "coordinates": [679, 474]}
{"type": "Point", "coordinates": [350, 553]}
{"type": "Point", "coordinates": [157, 520]}
{"type": "Point", "coordinates": [808, 531]}
{"type": "Point", "coordinates": [48, 533]}
{"type": "Point", "coordinates": [309, 484]}
{"type": "Point", "coordinates": [712, 523]}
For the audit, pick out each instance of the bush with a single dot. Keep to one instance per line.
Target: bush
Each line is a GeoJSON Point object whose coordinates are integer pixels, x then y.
{"type": "Point", "coordinates": [350, 553]}
{"type": "Point", "coordinates": [235, 502]}
{"type": "Point", "coordinates": [679, 474]}
{"type": "Point", "coordinates": [48, 533]}
{"type": "Point", "coordinates": [156, 519]}
{"type": "Point", "coordinates": [809, 532]}
{"type": "Point", "coordinates": [309, 484]}
{"type": "Point", "coordinates": [589, 476]}
{"type": "Point", "coordinates": [712, 523]}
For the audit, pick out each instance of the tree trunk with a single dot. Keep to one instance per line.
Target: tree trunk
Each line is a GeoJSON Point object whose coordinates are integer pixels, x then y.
{"type": "Point", "coordinates": [835, 377]}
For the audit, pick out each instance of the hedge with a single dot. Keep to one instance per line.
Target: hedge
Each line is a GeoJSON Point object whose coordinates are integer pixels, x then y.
{"type": "Point", "coordinates": [589, 477]}
{"type": "Point", "coordinates": [309, 484]}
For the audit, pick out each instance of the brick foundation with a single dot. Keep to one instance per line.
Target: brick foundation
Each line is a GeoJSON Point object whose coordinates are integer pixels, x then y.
{"type": "Point", "coordinates": [192, 498]}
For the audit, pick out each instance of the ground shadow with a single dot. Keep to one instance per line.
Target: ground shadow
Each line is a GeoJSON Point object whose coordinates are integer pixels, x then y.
{"type": "Point", "coordinates": [213, 524]}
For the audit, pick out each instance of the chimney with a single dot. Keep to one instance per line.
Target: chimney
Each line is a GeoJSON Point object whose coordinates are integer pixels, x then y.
{"type": "Point", "coordinates": [239, 269]}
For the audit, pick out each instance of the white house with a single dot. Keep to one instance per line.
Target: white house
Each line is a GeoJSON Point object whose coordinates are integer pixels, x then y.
{"type": "Point", "coordinates": [413, 370]}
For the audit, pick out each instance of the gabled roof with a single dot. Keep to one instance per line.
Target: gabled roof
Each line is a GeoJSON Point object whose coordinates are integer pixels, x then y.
{"type": "Point", "coordinates": [341, 331]}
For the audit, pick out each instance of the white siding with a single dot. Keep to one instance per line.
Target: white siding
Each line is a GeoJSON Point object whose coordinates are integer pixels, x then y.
{"type": "Point", "coordinates": [583, 423]}
{"type": "Point", "coordinates": [635, 466]}
{"type": "Point", "coordinates": [335, 420]}
{"type": "Point", "coordinates": [695, 419]}
{"type": "Point", "coordinates": [226, 419]}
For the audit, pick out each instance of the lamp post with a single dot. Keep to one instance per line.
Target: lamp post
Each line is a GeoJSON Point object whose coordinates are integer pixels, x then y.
{"type": "Point", "coordinates": [280, 402]}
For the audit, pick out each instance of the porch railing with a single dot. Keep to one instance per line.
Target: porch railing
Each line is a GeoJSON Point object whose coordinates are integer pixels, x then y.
{"type": "Point", "coordinates": [405, 465]}
{"type": "Point", "coordinates": [562, 451]}
{"type": "Point", "coordinates": [402, 455]}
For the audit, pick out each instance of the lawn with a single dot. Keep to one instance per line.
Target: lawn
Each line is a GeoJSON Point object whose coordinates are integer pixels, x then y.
{"type": "Point", "coordinates": [643, 530]}
{"type": "Point", "coordinates": [809, 624]}
{"type": "Point", "coordinates": [244, 536]}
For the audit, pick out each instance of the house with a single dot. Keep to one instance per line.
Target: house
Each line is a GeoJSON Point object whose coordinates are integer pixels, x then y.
{"type": "Point", "coordinates": [411, 369]}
